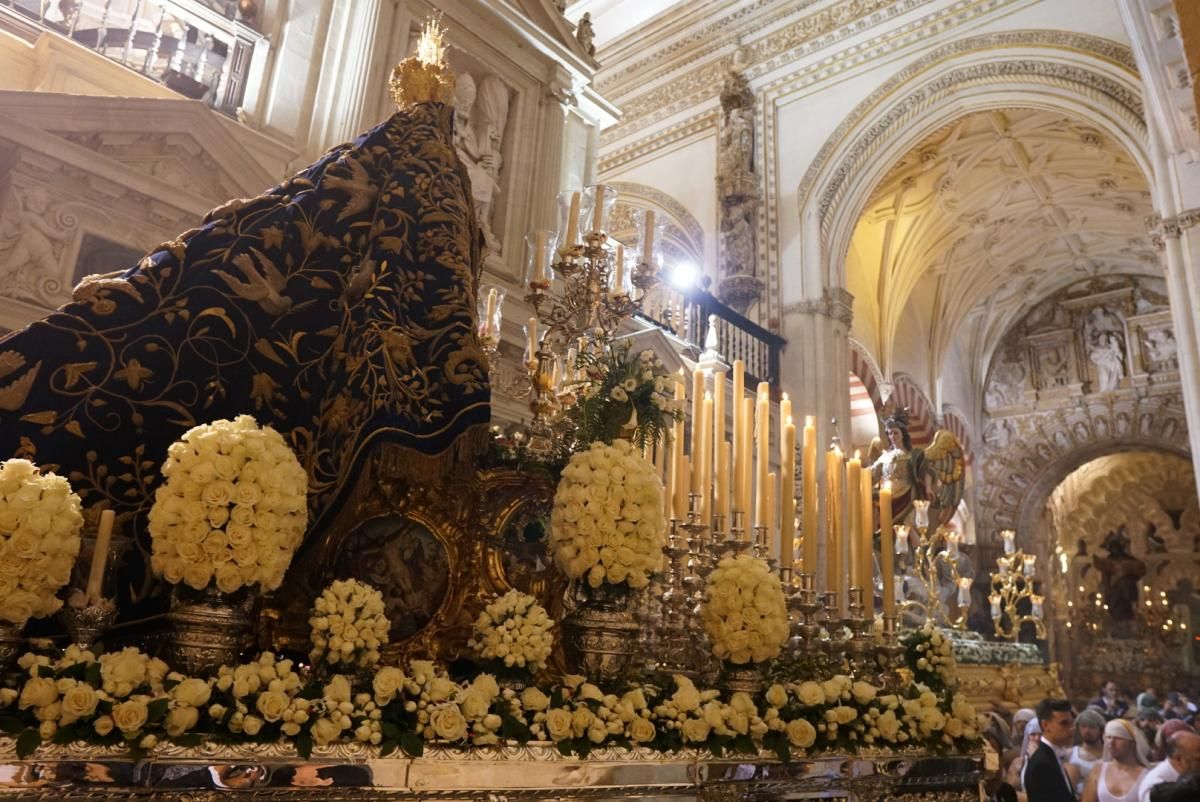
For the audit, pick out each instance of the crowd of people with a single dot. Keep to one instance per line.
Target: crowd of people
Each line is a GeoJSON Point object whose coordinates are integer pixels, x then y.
{"type": "Point", "coordinates": [1114, 750]}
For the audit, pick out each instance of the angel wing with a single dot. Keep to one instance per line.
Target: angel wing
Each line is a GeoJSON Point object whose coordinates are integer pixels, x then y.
{"type": "Point", "coordinates": [943, 471]}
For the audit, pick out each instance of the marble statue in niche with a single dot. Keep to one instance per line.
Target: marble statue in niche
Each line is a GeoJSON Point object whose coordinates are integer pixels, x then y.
{"type": "Point", "coordinates": [1123, 423]}
{"type": "Point", "coordinates": [481, 113]}
{"type": "Point", "coordinates": [1101, 425]}
{"type": "Point", "coordinates": [1081, 432]}
{"type": "Point", "coordinates": [1007, 384]}
{"type": "Point", "coordinates": [737, 188]}
{"type": "Point", "coordinates": [585, 34]}
{"type": "Point", "coordinates": [1102, 338]}
{"type": "Point", "coordinates": [1161, 350]}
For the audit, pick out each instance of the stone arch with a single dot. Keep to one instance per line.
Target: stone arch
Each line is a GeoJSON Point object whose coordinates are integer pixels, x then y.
{"type": "Point", "coordinates": [684, 236]}
{"type": "Point", "coordinates": [922, 420]}
{"type": "Point", "coordinates": [1039, 451]}
{"type": "Point", "coordinates": [955, 420]}
{"type": "Point", "coordinates": [1073, 74]}
{"type": "Point", "coordinates": [864, 366]}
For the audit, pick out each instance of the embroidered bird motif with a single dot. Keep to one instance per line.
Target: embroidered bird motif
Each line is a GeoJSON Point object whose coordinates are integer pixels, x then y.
{"type": "Point", "coordinates": [13, 394]}
{"type": "Point", "coordinates": [91, 290]}
{"type": "Point", "coordinates": [357, 186]}
{"type": "Point", "coordinates": [265, 288]}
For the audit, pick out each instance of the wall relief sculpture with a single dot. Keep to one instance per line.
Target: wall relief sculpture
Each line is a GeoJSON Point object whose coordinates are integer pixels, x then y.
{"type": "Point", "coordinates": [481, 110]}
{"type": "Point", "coordinates": [34, 233]}
{"type": "Point", "coordinates": [1100, 335]}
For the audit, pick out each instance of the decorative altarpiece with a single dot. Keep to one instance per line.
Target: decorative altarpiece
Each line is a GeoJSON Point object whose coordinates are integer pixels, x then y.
{"type": "Point", "coordinates": [447, 548]}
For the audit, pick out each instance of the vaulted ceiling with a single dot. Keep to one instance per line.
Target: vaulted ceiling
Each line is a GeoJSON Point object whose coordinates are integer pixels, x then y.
{"type": "Point", "coordinates": [983, 219]}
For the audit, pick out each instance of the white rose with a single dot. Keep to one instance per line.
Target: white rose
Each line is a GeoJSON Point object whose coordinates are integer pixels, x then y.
{"type": "Point", "coordinates": [447, 722]}
{"type": "Point", "coordinates": [558, 724]}
{"type": "Point", "coordinates": [180, 719]}
{"type": "Point", "coordinates": [801, 734]}
{"type": "Point", "coordinates": [79, 702]}
{"type": "Point", "coordinates": [130, 715]}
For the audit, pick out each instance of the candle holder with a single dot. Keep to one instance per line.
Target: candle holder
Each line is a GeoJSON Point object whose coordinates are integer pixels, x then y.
{"type": "Point", "coordinates": [805, 601]}
{"type": "Point", "coordinates": [1011, 585]}
{"type": "Point", "coordinates": [859, 641]}
{"type": "Point", "coordinates": [831, 621]}
{"type": "Point", "coordinates": [673, 635]}
{"type": "Point", "coordinates": [736, 543]}
{"type": "Point", "coordinates": [86, 621]}
{"type": "Point", "coordinates": [889, 655]}
{"type": "Point", "coordinates": [931, 561]}
{"type": "Point", "coordinates": [762, 549]}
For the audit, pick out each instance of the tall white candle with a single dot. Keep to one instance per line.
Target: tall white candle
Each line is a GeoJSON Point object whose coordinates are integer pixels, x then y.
{"type": "Point", "coordinates": [573, 222]}
{"type": "Point", "coordinates": [648, 239]}
{"type": "Point", "coordinates": [618, 286]}
{"type": "Point", "coordinates": [539, 256]}
{"type": "Point", "coordinates": [490, 315]}
{"type": "Point", "coordinates": [762, 422]}
{"type": "Point", "coordinates": [100, 557]}
{"type": "Point", "coordinates": [598, 209]}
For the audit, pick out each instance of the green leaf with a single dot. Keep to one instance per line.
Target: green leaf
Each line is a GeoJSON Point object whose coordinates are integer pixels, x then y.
{"type": "Point", "coordinates": [391, 731]}
{"type": "Point", "coordinates": [64, 735]}
{"type": "Point", "coordinates": [777, 742]}
{"type": "Point", "coordinates": [412, 744]}
{"type": "Point", "coordinates": [11, 725]}
{"type": "Point", "coordinates": [743, 744]}
{"type": "Point", "coordinates": [387, 747]}
{"type": "Point", "coordinates": [28, 742]}
{"type": "Point", "coordinates": [156, 710]}
{"type": "Point", "coordinates": [188, 739]}
{"type": "Point", "coordinates": [93, 675]}
{"type": "Point", "coordinates": [304, 744]}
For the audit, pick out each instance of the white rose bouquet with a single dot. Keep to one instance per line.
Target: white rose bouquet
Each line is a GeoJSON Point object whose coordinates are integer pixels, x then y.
{"type": "Point", "coordinates": [607, 522]}
{"type": "Point", "coordinates": [40, 519]}
{"type": "Point", "coordinates": [616, 389]}
{"type": "Point", "coordinates": [514, 629]}
{"type": "Point", "coordinates": [232, 509]}
{"type": "Point", "coordinates": [348, 624]}
{"type": "Point", "coordinates": [744, 611]}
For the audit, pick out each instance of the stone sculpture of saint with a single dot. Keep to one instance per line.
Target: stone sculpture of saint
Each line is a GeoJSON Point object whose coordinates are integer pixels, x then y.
{"type": "Point", "coordinates": [1119, 575]}
{"type": "Point", "coordinates": [483, 165]}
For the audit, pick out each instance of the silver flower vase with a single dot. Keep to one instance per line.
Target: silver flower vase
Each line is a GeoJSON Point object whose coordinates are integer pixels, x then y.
{"type": "Point", "coordinates": [600, 636]}
{"type": "Point", "coordinates": [740, 677]}
{"type": "Point", "coordinates": [11, 644]}
{"type": "Point", "coordinates": [207, 629]}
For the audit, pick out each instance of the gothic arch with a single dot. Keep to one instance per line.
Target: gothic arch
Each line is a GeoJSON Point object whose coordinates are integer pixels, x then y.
{"type": "Point", "coordinates": [922, 419]}
{"type": "Point", "coordinates": [1032, 454]}
{"type": "Point", "coordinates": [863, 365]}
{"type": "Point", "coordinates": [1076, 75]}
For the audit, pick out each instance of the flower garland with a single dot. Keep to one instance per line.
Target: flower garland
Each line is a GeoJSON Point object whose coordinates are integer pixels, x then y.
{"type": "Point", "coordinates": [930, 655]}
{"type": "Point", "coordinates": [40, 519]}
{"type": "Point", "coordinates": [607, 521]}
{"type": "Point", "coordinates": [128, 698]}
{"type": "Point", "coordinates": [744, 612]}
{"type": "Point", "coordinates": [232, 509]}
{"type": "Point", "coordinates": [515, 630]}
{"type": "Point", "coordinates": [348, 625]}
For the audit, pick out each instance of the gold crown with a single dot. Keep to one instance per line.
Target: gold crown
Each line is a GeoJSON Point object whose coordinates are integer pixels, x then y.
{"type": "Point", "coordinates": [425, 77]}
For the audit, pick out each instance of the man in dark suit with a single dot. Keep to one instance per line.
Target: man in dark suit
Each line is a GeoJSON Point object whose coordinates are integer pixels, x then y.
{"type": "Point", "coordinates": [1045, 778]}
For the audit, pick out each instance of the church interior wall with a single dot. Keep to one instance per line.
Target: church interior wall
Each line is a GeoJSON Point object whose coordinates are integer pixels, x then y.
{"type": "Point", "coordinates": [688, 174]}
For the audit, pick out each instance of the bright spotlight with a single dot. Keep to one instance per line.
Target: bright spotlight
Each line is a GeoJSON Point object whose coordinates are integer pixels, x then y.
{"type": "Point", "coordinates": [683, 276]}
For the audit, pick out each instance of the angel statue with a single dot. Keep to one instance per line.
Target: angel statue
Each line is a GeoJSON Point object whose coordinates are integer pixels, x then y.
{"type": "Point", "coordinates": [935, 474]}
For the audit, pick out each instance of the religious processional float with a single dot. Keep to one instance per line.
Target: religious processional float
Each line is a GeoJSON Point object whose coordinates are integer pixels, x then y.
{"type": "Point", "coordinates": [737, 651]}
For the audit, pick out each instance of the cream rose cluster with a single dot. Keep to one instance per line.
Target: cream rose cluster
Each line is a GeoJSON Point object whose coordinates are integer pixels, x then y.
{"type": "Point", "coordinates": [744, 611]}
{"type": "Point", "coordinates": [516, 630]}
{"type": "Point", "coordinates": [348, 624]}
{"type": "Point", "coordinates": [607, 522]}
{"type": "Point", "coordinates": [232, 510]}
{"type": "Point", "coordinates": [40, 520]}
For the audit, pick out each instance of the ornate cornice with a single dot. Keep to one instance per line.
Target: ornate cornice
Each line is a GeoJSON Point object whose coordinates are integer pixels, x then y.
{"type": "Point", "coordinates": [835, 303]}
{"type": "Point", "coordinates": [687, 221]}
{"type": "Point", "coordinates": [705, 121]}
{"type": "Point", "coordinates": [1161, 229]}
{"type": "Point", "coordinates": [820, 29]}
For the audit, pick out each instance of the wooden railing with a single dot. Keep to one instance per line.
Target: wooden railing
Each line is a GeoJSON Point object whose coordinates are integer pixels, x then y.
{"type": "Point", "coordinates": [196, 47]}
{"type": "Point", "coordinates": [690, 314]}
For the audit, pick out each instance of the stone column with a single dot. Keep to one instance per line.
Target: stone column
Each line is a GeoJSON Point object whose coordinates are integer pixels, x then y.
{"type": "Point", "coordinates": [1179, 240]}
{"type": "Point", "coordinates": [346, 74]}
{"type": "Point", "coordinates": [816, 370]}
